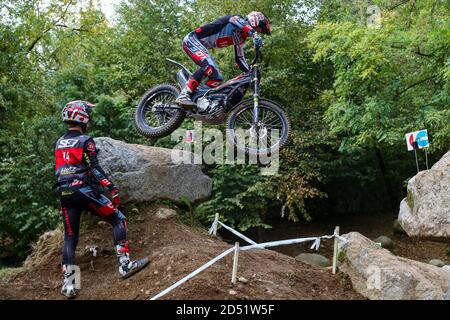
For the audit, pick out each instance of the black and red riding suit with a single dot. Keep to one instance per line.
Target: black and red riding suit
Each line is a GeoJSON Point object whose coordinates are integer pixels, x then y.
{"type": "Point", "coordinates": [223, 32]}
{"type": "Point", "coordinates": [81, 182]}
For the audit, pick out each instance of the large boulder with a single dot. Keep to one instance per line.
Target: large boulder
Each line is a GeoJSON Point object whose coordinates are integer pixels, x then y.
{"type": "Point", "coordinates": [378, 274]}
{"type": "Point", "coordinates": [145, 173]}
{"type": "Point", "coordinates": [425, 212]}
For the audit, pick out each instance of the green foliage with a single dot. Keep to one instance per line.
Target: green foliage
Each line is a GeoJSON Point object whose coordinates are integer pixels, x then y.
{"type": "Point", "coordinates": [388, 80]}
{"type": "Point", "coordinates": [27, 205]}
{"type": "Point", "coordinates": [239, 195]}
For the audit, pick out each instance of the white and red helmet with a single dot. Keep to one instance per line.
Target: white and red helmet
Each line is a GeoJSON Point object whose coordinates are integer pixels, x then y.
{"type": "Point", "coordinates": [257, 19]}
{"type": "Point", "coordinates": [77, 111]}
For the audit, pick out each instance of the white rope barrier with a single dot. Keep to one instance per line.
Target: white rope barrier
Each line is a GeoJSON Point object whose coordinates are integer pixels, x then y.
{"type": "Point", "coordinates": [342, 239]}
{"type": "Point", "coordinates": [193, 274]}
{"type": "Point", "coordinates": [285, 242]}
{"type": "Point", "coordinates": [253, 245]}
{"type": "Point", "coordinates": [240, 235]}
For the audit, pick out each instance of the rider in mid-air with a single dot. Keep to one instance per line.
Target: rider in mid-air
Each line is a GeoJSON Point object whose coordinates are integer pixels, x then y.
{"type": "Point", "coordinates": [223, 32]}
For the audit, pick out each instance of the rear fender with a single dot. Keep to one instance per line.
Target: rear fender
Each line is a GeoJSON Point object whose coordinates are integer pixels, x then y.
{"type": "Point", "coordinates": [183, 74]}
{"type": "Point", "coordinates": [182, 79]}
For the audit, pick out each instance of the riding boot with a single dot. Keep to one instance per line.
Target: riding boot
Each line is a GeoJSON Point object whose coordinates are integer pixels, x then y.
{"type": "Point", "coordinates": [128, 267]}
{"type": "Point", "coordinates": [184, 99]}
{"type": "Point", "coordinates": [68, 288]}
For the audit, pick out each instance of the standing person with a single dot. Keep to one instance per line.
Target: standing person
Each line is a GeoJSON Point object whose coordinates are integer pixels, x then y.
{"type": "Point", "coordinates": [223, 32]}
{"type": "Point", "coordinates": [81, 184]}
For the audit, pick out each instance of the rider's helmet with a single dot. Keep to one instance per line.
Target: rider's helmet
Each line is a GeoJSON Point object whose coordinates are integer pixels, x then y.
{"type": "Point", "coordinates": [257, 19]}
{"type": "Point", "coordinates": [77, 112]}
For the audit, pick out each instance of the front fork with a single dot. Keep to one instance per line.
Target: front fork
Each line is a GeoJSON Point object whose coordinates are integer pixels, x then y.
{"type": "Point", "coordinates": [255, 96]}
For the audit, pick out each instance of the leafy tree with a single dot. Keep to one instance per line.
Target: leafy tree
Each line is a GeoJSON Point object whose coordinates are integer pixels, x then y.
{"type": "Point", "coordinates": [388, 80]}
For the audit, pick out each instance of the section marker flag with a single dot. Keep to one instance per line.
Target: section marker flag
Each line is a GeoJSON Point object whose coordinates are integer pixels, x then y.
{"type": "Point", "coordinates": [417, 140]}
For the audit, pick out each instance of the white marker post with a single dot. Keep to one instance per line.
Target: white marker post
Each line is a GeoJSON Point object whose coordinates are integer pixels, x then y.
{"type": "Point", "coordinates": [417, 162]}
{"type": "Point", "coordinates": [235, 263]}
{"type": "Point", "coordinates": [335, 251]}
{"type": "Point", "coordinates": [215, 224]}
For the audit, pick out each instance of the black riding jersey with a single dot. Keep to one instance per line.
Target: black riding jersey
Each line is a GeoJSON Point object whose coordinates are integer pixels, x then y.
{"type": "Point", "coordinates": [77, 161]}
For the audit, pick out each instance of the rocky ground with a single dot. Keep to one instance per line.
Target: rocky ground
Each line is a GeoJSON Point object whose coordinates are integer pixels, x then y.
{"type": "Point", "coordinates": [175, 250]}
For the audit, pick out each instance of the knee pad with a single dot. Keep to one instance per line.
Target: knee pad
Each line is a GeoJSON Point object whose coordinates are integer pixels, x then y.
{"type": "Point", "coordinates": [192, 84]}
{"type": "Point", "coordinates": [212, 73]}
{"type": "Point", "coordinates": [208, 71]}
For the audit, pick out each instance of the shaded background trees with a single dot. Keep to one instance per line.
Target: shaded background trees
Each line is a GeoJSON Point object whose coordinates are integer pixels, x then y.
{"type": "Point", "coordinates": [351, 91]}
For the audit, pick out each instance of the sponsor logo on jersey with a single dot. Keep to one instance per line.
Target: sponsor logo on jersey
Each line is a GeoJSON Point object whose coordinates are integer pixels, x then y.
{"type": "Point", "coordinates": [224, 42]}
{"type": "Point", "coordinates": [67, 143]}
{"type": "Point", "coordinates": [68, 170]}
{"type": "Point", "coordinates": [90, 146]}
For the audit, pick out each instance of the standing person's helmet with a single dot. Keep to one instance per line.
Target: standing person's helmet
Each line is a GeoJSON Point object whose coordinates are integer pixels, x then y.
{"type": "Point", "coordinates": [257, 19]}
{"type": "Point", "coordinates": [77, 112]}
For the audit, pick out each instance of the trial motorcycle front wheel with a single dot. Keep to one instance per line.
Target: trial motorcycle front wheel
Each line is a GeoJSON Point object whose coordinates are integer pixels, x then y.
{"type": "Point", "coordinates": [265, 136]}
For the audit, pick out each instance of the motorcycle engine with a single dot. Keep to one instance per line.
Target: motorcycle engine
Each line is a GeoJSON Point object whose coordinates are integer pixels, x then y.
{"type": "Point", "coordinates": [210, 109]}
{"type": "Point", "coordinates": [207, 106]}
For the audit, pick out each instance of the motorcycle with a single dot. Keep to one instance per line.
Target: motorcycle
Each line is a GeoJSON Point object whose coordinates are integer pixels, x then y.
{"type": "Point", "coordinates": [255, 125]}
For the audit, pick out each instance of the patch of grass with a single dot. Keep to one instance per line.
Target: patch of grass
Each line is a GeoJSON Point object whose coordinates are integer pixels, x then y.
{"type": "Point", "coordinates": [410, 199]}
{"type": "Point", "coordinates": [342, 257]}
{"type": "Point", "coordinates": [189, 215]}
{"type": "Point", "coordinates": [7, 273]}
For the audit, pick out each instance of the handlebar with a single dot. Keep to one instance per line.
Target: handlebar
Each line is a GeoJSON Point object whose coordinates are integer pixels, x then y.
{"type": "Point", "coordinates": [257, 56]}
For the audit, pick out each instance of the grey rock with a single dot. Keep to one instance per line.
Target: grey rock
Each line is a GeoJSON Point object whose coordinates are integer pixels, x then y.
{"type": "Point", "coordinates": [385, 241]}
{"type": "Point", "coordinates": [144, 173]}
{"type": "Point", "coordinates": [314, 259]}
{"type": "Point", "coordinates": [165, 213]}
{"type": "Point", "coordinates": [437, 263]}
{"type": "Point", "coordinates": [425, 212]}
{"type": "Point", "coordinates": [377, 274]}
{"type": "Point", "coordinates": [243, 280]}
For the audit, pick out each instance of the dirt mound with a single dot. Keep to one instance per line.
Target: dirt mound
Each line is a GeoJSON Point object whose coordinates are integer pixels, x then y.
{"type": "Point", "coordinates": [174, 250]}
